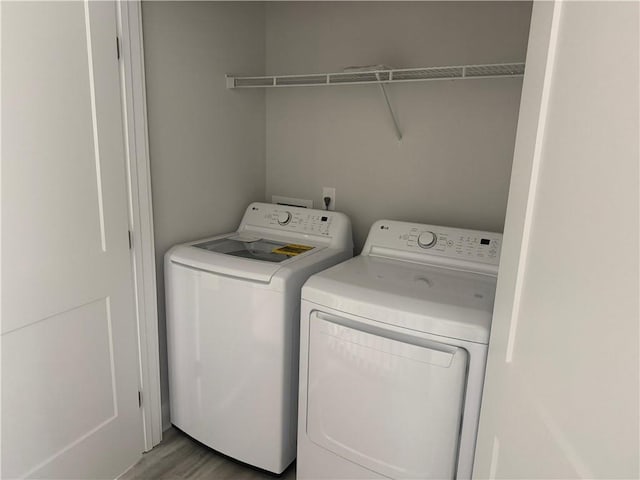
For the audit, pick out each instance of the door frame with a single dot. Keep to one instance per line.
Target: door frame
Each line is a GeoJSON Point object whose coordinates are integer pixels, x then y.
{"type": "Point", "coordinates": [134, 105]}
{"type": "Point", "coordinates": [536, 80]}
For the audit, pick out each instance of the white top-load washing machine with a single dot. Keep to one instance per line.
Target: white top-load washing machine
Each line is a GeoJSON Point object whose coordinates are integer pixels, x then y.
{"type": "Point", "coordinates": [393, 346]}
{"type": "Point", "coordinates": [233, 309]}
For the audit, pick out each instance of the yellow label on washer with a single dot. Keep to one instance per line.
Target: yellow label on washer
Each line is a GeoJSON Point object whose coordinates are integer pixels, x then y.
{"type": "Point", "coordinates": [292, 249]}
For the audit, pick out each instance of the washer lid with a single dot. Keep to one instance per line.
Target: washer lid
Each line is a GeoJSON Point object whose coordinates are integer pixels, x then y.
{"type": "Point", "coordinates": [253, 249]}
{"type": "Point", "coordinates": [240, 255]}
{"type": "Point", "coordinates": [420, 297]}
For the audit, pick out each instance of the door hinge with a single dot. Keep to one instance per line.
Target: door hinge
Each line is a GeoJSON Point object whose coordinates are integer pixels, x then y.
{"type": "Point", "coordinates": [118, 47]}
{"type": "Point", "coordinates": [130, 240]}
{"type": "Point", "coordinates": [139, 399]}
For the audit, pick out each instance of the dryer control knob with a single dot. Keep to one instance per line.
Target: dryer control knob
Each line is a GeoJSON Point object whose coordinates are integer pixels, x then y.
{"type": "Point", "coordinates": [284, 218]}
{"type": "Point", "coordinates": [427, 239]}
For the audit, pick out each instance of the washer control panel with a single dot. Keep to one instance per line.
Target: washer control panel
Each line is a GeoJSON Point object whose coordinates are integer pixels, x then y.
{"type": "Point", "coordinates": [304, 221]}
{"type": "Point", "coordinates": [311, 222]}
{"type": "Point", "coordinates": [468, 245]}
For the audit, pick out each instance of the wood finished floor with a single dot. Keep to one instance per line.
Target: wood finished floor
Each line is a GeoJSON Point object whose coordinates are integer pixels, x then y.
{"type": "Point", "coordinates": [180, 457]}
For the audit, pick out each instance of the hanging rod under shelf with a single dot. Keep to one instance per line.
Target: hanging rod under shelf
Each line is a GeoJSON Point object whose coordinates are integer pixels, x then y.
{"type": "Point", "coordinates": [498, 70]}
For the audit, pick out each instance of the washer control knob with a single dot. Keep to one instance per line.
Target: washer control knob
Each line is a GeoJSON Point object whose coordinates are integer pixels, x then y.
{"type": "Point", "coordinates": [284, 218]}
{"type": "Point", "coordinates": [427, 239]}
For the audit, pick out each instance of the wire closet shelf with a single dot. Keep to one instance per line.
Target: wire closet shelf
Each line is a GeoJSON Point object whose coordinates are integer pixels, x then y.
{"type": "Point", "coordinates": [387, 76]}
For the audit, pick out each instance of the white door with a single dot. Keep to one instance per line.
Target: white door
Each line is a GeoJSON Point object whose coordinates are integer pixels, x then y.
{"type": "Point", "coordinates": [561, 393]}
{"type": "Point", "coordinates": [69, 345]}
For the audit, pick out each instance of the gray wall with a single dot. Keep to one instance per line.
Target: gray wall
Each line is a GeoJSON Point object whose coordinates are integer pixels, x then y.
{"type": "Point", "coordinates": [207, 144]}
{"type": "Point", "coordinates": [453, 165]}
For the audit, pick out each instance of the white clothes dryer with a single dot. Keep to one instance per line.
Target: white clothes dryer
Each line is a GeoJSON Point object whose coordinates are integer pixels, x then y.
{"type": "Point", "coordinates": [393, 348]}
{"type": "Point", "coordinates": [233, 305]}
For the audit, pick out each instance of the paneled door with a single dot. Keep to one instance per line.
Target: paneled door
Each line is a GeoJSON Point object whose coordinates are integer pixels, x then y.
{"type": "Point", "coordinates": [70, 368]}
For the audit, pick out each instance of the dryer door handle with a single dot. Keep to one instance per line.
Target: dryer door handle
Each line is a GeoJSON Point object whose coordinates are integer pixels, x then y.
{"type": "Point", "coordinates": [423, 349]}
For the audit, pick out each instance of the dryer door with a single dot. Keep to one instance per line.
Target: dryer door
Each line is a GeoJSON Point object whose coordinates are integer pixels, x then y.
{"type": "Point", "coordinates": [388, 401]}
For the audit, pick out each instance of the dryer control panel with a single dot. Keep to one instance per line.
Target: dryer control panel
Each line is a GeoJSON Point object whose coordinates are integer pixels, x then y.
{"type": "Point", "coordinates": [436, 241]}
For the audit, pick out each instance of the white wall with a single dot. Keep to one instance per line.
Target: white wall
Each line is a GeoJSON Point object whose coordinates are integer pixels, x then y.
{"type": "Point", "coordinates": [452, 167]}
{"type": "Point", "coordinates": [207, 143]}
{"type": "Point", "coordinates": [562, 387]}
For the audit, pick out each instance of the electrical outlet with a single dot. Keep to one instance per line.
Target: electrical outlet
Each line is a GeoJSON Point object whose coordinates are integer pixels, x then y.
{"type": "Point", "coordinates": [331, 193]}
